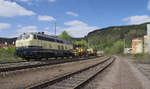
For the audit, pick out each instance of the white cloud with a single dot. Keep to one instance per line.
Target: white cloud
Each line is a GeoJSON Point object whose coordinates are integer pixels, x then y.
{"type": "Point", "coordinates": [10, 9]}
{"type": "Point", "coordinates": [4, 26]}
{"type": "Point", "coordinates": [72, 13]}
{"type": "Point", "coordinates": [46, 18]}
{"type": "Point", "coordinates": [27, 29]}
{"type": "Point", "coordinates": [137, 19]}
{"type": "Point", "coordinates": [78, 28]}
{"type": "Point", "coordinates": [52, 0]}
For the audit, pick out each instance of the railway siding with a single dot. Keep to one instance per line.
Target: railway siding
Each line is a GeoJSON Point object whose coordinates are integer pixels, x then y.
{"type": "Point", "coordinates": [37, 75]}
{"type": "Point", "coordinates": [10, 68]}
{"type": "Point", "coordinates": [74, 80]}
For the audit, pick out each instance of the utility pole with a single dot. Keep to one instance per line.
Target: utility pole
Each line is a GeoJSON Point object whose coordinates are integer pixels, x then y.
{"type": "Point", "coordinates": [88, 43]}
{"type": "Point", "coordinates": [55, 28]}
{"type": "Point", "coordinates": [124, 46]}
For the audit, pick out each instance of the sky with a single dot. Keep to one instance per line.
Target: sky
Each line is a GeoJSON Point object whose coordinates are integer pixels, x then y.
{"type": "Point", "coordinates": [77, 17]}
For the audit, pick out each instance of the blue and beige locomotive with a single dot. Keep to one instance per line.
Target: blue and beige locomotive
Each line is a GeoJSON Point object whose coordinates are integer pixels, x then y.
{"type": "Point", "coordinates": [39, 45]}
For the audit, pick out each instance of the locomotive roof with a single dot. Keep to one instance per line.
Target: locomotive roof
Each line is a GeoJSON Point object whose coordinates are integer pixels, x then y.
{"type": "Point", "coordinates": [53, 37]}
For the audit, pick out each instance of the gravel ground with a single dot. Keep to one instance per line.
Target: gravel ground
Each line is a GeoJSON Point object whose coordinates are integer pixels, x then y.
{"type": "Point", "coordinates": [19, 64]}
{"type": "Point", "coordinates": [26, 78]}
{"type": "Point", "coordinates": [142, 61]}
{"type": "Point", "coordinates": [145, 69]}
{"type": "Point", "coordinates": [144, 66]}
{"type": "Point", "coordinates": [94, 84]}
{"type": "Point", "coordinates": [74, 80]}
{"type": "Point", "coordinates": [121, 75]}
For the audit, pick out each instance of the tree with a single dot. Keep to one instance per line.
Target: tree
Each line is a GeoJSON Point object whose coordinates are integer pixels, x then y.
{"type": "Point", "coordinates": [64, 35]}
{"type": "Point", "coordinates": [81, 42]}
{"type": "Point", "coordinates": [117, 48]}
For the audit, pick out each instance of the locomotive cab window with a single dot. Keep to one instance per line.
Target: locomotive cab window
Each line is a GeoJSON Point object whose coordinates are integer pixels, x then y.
{"type": "Point", "coordinates": [26, 36]}
{"type": "Point", "coordinates": [23, 37]}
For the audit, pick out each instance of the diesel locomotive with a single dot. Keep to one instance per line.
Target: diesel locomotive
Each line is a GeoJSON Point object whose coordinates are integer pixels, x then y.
{"type": "Point", "coordinates": [39, 45]}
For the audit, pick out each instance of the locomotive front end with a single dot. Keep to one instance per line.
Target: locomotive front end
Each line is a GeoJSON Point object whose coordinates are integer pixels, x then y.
{"type": "Point", "coordinates": [24, 46]}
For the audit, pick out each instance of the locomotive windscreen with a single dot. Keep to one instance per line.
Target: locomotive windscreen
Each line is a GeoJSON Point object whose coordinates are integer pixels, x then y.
{"type": "Point", "coordinates": [23, 37]}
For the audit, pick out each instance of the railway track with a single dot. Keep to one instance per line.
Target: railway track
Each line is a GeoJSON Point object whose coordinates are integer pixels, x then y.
{"type": "Point", "coordinates": [11, 62]}
{"type": "Point", "coordinates": [75, 80]}
{"type": "Point", "coordinates": [7, 67]}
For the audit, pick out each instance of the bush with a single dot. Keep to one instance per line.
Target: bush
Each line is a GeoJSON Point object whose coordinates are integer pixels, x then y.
{"type": "Point", "coordinates": [106, 50]}
{"type": "Point", "coordinates": [10, 51]}
{"type": "Point", "coordinates": [1, 51]}
{"type": "Point", "coordinates": [138, 55]}
{"type": "Point", "coordinates": [117, 48]}
{"type": "Point", "coordinates": [8, 55]}
{"type": "Point", "coordinates": [141, 56]}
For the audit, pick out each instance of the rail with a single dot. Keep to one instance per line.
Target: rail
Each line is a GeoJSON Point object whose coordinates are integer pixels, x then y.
{"type": "Point", "coordinates": [69, 75]}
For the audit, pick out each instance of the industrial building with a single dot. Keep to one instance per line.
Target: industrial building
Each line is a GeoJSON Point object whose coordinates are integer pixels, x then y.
{"type": "Point", "coordinates": [137, 46]}
{"type": "Point", "coordinates": [146, 38]}
{"type": "Point", "coordinates": [7, 42]}
{"type": "Point", "coordinates": [147, 41]}
{"type": "Point", "coordinates": [140, 45]}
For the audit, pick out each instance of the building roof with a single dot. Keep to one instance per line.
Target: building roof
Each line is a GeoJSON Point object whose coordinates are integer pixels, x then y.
{"type": "Point", "coordinates": [7, 40]}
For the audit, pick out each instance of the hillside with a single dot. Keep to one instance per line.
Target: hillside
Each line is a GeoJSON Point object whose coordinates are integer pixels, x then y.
{"type": "Point", "coordinates": [105, 37]}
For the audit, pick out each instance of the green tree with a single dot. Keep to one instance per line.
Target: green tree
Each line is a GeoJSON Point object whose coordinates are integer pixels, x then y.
{"type": "Point", "coordinates": [64, 35]}
{"type": "Point", "coordinates": [107, 50]}
{"type": "Point", "coordinates": [117, 48]}
{"type": "Point", "coordinates": [81, 42]}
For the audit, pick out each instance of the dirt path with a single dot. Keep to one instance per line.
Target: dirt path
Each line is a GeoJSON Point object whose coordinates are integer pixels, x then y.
{"type": "Point", "coordinates": [24, 79]}
{"type": "Point", "coordinates": [123, 75]}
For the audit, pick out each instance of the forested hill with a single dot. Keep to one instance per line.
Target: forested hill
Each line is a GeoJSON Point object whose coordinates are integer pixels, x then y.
{"type": "Point", "coordinates": [107, 36]}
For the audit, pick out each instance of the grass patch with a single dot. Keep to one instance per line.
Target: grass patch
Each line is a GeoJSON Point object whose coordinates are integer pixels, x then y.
{"type": "Point", "coordinates": [137, 56]}
{"type": "Point", "coordinates": [11, 59]}
{"type": "Point", "coordinates": [141, 56]}
{"type": "Point", "coordinates": [7, 55]}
